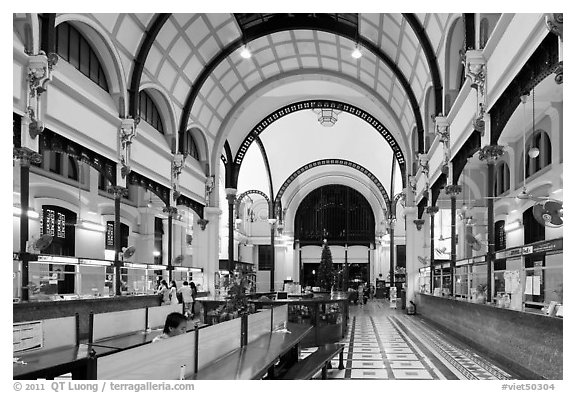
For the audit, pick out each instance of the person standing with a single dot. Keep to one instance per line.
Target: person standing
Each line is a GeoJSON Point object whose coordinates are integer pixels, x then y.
{"type": "Point", "coordinates": [187, 298]}
{"type": "Point", "coordinates": [164, 292]}
{"type": "Point", "coordinates": [173, 292]}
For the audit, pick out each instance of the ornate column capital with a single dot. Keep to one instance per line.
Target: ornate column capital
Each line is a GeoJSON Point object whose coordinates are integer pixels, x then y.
{"type": "Point", "coordinates": [453, 190]}
{"type": "Point", "coordinates": [118, 191]}
{"type": "Point", "coordinates": [491, 153]}
{"type": "Point", "coordinates": [555, 23]}
{"type": "Point", "coordinates": [172, 211]}
{"type": "Point", "coordinates": [203, 222]}
{"type": "Point", "coordinates": [419, 223]}
{"type": "Point", "coordinates": [231, 195]}
{"type": "Point", "coordinates": [431, 210]}
{"type": "Point", "coordinates": [26, 156]}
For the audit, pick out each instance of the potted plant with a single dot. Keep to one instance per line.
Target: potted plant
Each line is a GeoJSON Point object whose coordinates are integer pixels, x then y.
{"type": "Point", "coordinates": [481, 293]}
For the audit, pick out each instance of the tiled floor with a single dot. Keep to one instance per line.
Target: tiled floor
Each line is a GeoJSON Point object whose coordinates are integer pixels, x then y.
{"type": "Point", "coordinates": [384, 343]}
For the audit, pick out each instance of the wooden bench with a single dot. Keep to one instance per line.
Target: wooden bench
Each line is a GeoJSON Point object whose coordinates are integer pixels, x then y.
{"type": "Point", "coordinates": [319, 360]}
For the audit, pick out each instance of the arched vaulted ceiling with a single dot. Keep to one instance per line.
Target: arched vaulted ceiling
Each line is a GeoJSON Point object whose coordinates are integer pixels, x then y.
{"type": "Point", "coordinates": [195, 57]}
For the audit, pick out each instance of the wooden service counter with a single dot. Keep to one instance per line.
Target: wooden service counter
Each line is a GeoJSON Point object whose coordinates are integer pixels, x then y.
{"type": "Point", "coordinates": [530, 344]}
{"type": "Point", "coordinates": [33, 311]}
{"type": "Point", "coordinates": [327, 313]}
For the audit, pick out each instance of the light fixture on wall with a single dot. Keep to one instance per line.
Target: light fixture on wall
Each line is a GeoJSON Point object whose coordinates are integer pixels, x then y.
{"type": "Point", "coordinates": [156, 253]}
{"type": "Point", "coordinates": [150, 200]}
{"type": "Point", "coordinates": [327, 116]}
{"type": "Point", "coordinates": [534, 150]}
{"type": "Point", "coordinates": [90, 225]}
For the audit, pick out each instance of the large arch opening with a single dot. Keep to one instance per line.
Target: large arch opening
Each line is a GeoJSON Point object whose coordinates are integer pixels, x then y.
{"type": "Point", "coordinates": [344, 218]}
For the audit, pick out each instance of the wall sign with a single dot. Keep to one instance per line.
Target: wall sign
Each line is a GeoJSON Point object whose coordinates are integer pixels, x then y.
{"type": "Point", "coordinates": [27, 335]}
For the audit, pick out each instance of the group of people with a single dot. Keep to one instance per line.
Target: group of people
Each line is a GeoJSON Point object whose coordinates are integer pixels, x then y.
{"type": "Point", "coordinates": [171, 294]}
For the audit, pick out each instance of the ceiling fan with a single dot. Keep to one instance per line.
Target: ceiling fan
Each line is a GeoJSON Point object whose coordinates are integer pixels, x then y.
{"type": "Point", "coordinates": [424, 260]}
{"type": "Point", "coordinates": [442, 251]}
{"type": "Point", "coordinates": [549, 213]}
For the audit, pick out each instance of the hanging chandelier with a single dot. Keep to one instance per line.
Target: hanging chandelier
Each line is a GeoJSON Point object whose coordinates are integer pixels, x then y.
{"type": "Point", "coordinates": [327, 116]}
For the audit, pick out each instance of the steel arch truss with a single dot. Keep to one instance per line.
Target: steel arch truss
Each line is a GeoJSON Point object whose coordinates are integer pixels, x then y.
{"type": "Point", "coordinates": [319, 163]}
{"type": "Point", "coordinates": [313, 104]}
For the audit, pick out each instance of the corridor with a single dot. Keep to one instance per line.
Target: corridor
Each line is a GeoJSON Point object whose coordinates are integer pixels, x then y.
{"type": "Point", "coordinates": [384, 343]}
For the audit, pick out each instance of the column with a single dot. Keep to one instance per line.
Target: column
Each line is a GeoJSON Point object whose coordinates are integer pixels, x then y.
{"type": "Point", "coordinates": [207, 237]}
{"type": "Point", "coordinates": [231, 196]}
{"type": "Point", "coordinates": [346, 276]}
{"type": "Point", "coordinates": [392, 222]}
{"type": "Point", "coordinates": [490, 154]}
{"type": "Point", "coordinates": [414, 248]}
{"type": "Point", "coordinates": [26, 157]}
{"type": "Point", "coordinates": [272, 222]}
{"type": "Point", "coordinates": [452, 191]}
{"type": "Point", "coordinates": [118, 192]}
{"type": "Point", "coordinates": [431, 210]}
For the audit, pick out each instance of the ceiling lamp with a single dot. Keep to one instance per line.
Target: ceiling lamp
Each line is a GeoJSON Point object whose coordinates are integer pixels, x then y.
{"type": "Point", "coordinates": [327, 116]}
{"type": "Point", "coordinates": [534, 151]}
{"type": "Point", "coordinates": [245, 53]}
{"type": "Point", "coordinates": [356, 53]}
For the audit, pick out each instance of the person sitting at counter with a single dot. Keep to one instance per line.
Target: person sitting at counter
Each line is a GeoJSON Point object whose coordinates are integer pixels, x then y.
{"type": "Point", "coordinates": [176, 324]}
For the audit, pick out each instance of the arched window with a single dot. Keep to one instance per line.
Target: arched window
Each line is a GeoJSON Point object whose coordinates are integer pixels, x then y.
{"type": "Point", "coordinates": [149, 112]}
{"type": "Point", "coordinates": [499, 235]}
{"type": "Point", "coordinates": [59, 223]}
{"type": "Point", "coordinates": [484, 32]}
{"type": "Point", "coordinates": [533, 230]}
{"type": "Point", "coordinates": [75, 49]}
{"type": "Point", "coordinates": [55, 162]}
{"type": "Point", "coordinates": [502, 183]}
{"type": "Point", "coordinates": [124, 233]}
{"type": "Point", "coordinates": [189, 146]}
{"type": "Point", "coordinates": [454, 68]}
{"type": "Point", "coordinates": [72, 168]}
{"type": "Point", "coordinates": [541, 140]}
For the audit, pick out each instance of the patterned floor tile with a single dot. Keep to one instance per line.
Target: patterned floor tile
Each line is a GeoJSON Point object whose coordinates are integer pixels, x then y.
{"type": "Point", "coordinates": [401, 356]}
{"type": "Point", "coordinates": [369, 374]}
{"type": "Point", "coordinates": [411, 374]}
{"type": "Point", "coordinates": [366, 356]}
{"type": "Point", "coordinates": [398, 350]}
{"type": "Point", "coordinates": [367, 364]}
{"type": "Point", "coordinates": [406, 364]}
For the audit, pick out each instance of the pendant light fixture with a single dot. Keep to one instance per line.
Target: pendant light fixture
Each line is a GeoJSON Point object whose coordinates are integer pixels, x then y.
{"type": "Point", "coordinates": [534, 150]}
{"type": "Point", "coordinates": [150, 200]}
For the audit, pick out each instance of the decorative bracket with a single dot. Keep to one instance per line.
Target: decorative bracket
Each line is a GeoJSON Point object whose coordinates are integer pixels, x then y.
{"type": "Point", "coordinates": [177, 165]}
{"type": "Point", "coordinates": [39, 75]}
{"type": "Point", "coordinates": [202, 222]}
{"type": "Point", "coordinates": [26, 156]}
{"type": "Point", "coordinates": [491, 153]}
{"type": "Point", "coordinates": [126, 132]}
{"type": "Point", "coordinates": [208, 188]}
{"type": "Point", "coordinates": [423, 163]}
{"type": "Point", "coordinates": [419, 223]}
{"type": "Point", "coordinates": [476, 72]}
{"type": "Point", "coordinates": [555, 23]}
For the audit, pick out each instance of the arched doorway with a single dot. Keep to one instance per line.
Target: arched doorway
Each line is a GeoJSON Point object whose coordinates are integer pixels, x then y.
{"type": "Point", "coordinates": [344, 218]}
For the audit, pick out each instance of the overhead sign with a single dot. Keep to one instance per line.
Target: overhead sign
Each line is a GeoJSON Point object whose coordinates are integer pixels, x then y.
{"type": "Point", "coordinates": [555, 245]}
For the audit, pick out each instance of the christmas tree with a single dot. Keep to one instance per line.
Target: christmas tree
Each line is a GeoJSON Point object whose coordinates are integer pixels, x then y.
{"type": "Point", "coordinates": [325, 275]}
